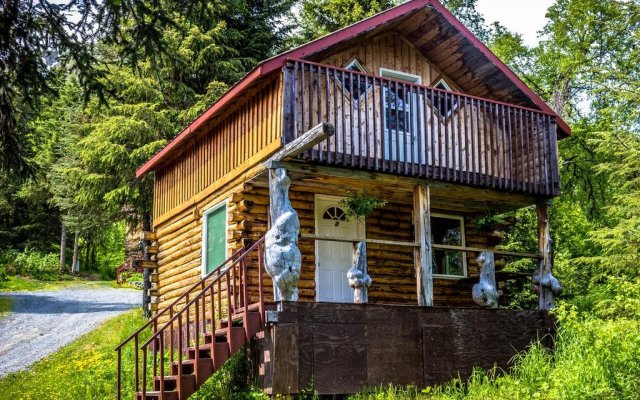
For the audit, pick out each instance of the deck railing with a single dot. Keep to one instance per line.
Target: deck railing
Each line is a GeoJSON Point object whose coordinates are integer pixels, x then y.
{"type": "Point", "coordinates": [405, 128]}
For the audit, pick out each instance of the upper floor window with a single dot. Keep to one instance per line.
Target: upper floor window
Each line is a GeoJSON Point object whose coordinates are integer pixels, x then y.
{"type": "Point", "coordinates": [448, 230]}
{"type": "Point", "coordinates": [401, 111]}
{"type": "Point", "coordinates": [445, 104]}
{"type": "Point", "coordinates": [359, 86]}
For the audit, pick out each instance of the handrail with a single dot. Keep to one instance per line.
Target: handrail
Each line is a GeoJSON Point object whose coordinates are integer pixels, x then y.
{"type": "Point", "coordinates": [196, 320]}
{"type": "Point", "coordinates": [203, 291]}
{"type": "Point", "coordinates": [186, 293]}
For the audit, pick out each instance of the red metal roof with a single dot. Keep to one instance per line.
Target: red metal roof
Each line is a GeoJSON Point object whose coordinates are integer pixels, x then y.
{"type": "Point", "coordinates": [277, 62]}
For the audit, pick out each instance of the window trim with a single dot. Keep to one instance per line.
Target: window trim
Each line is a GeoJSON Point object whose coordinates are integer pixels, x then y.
{"type": "Point", "coordinates": [400, 75]}
{"type": "Point", "coordinates": [448, 89]}
{"type": "Point", "coordinates": [408, 109]}
{"type": "Point", "coordinates": [363, 70]}
{"type": "Point", "coordinates": [205, 214]}
{"type": "Point", "coordinates": [464, 253]}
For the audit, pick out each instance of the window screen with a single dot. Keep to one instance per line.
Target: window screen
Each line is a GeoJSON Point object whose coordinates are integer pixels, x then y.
{"type": "Point", "coordinates": [216, 229]}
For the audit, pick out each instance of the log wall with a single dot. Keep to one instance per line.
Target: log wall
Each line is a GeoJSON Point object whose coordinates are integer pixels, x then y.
{"type": "Point", "coordinates": [390, 267]}
{"type": "Point", "coordinates": [225, 148]}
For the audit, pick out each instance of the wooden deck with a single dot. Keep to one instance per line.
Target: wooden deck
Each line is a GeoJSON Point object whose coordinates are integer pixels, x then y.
{"type": "Point", "coordinates": [404, 128]}
{"type": "Point", "coordinates": [343, 348]}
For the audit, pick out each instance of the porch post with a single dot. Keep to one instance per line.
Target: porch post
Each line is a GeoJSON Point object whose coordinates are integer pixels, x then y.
{"type": "Point", "coordinates": [422, 254]}
{"type": "Point", "coordinates": [282, 256]}
{"type": "Point", "coordinates": [547, 284]}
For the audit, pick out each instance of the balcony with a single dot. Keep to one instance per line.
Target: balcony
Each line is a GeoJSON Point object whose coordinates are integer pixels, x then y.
{"type": "Point", "coordinates": [398, 127]}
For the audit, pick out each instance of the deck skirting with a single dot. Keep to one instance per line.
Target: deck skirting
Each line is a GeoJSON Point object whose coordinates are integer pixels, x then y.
{"type": "Point", "coordinates": [343, 348]}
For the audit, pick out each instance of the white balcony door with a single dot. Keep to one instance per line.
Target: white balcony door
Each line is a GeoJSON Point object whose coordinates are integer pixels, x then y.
{"type": "Point", "coordinates": [333, 259]}
{"type": "Point", "coordinates": [400, 117]}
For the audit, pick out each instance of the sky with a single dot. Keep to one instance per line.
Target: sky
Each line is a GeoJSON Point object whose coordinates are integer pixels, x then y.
{"type": "Point", "coordinates": [525, 17]}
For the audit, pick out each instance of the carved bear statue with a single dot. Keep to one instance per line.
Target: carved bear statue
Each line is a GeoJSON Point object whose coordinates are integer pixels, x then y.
{"type": "Point", "coordinates": [484, 292]}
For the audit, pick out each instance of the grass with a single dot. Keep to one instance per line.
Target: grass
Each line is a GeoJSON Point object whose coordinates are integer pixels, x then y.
{"type": "Point", "coordinates": [18, 283]}
{"type": "Point", "coordinates": [5, 306]}
{"type": "Point", "coordinates": [84, 369]}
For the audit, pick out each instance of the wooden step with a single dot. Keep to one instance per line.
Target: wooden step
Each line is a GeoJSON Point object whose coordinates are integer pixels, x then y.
{"type": "Point", "coordinates": [155, 395]}
{"type": "Point", "coordinates": [205, 369]}
{"type": "Point", "coordinates": [171, 383]}
{"type": "Point", "coordinates": [238, 337]}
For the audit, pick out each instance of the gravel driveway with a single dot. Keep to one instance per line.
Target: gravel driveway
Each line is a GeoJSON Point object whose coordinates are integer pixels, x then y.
{"type": "Point", "coordinates": [43, 321]}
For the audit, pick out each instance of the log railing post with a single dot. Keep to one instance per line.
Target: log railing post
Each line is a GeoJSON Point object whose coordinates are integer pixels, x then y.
{"type": "Point", "coordinates": [543, 279]}
{"type": "Point", "coordinates": [423, 253]}
{"type": "Point", "coordinates": [282, 256]}
{"type": "Point", "coordinates": [357, 275]}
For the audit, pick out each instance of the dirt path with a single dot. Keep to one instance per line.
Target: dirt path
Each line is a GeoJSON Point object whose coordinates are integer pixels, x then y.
{"type": "Point", "coordinates": [43, 321]}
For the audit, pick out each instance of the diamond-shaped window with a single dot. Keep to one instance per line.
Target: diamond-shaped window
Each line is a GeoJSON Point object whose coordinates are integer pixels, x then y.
{"type": "Point", "coordinates": [360, 84]}
{"type": "Point", "coordinates": [445, 105]}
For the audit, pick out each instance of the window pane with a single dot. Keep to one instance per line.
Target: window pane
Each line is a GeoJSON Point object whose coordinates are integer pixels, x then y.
{"type": "Point", "coordinates": [216, 238]}
{"type": "Point", "coordinates": [447, 231]}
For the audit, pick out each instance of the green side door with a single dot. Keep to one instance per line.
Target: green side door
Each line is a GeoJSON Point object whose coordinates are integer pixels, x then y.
{"type": "Point", "coordinates": [216, 250]}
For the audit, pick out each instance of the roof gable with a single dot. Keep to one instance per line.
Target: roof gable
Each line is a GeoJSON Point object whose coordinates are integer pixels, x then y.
{"type": "Point", "coordinates": [430, 27]}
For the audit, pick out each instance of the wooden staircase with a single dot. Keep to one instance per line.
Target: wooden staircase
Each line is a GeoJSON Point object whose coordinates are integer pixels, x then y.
{"type": "Point", "coordinates": [205, 326]}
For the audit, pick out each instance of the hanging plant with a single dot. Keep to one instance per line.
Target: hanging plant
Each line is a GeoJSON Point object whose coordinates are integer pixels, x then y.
{"type": "Point", "coordinates": [360, 204]}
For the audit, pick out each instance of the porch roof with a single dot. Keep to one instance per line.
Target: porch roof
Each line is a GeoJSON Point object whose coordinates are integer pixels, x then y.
{"type": "Point", "coordinates": [430, 27]}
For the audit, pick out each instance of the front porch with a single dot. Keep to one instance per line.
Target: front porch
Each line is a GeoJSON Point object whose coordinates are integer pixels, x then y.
{"type": "Point", "coordinates": [343, 348]}
{"type": "Point", "coordinates": [400, 236]}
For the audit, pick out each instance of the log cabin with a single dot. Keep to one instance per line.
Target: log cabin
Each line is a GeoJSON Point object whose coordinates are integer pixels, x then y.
{"type": "Point", "coordinates": [254, 244]}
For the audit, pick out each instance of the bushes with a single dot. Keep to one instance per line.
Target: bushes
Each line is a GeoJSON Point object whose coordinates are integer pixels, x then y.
{"type": "Point", "coordinates": [32, 263]}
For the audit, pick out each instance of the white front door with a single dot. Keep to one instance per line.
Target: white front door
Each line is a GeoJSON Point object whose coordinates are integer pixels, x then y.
{"type": "Point", "coordinates": [333, 259]}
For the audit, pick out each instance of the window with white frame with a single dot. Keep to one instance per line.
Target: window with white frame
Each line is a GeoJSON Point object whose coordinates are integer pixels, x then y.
{"type": "Point", "coordinates": [448, 230]}
{"type": "Point", "coordinates": [400, 115]}
{"type": "Point", "coordinates": [214, 237]}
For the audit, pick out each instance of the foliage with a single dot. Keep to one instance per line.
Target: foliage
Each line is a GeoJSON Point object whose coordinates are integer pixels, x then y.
{"type": "Point", "coordinates": [361, 203]}
{"type": "Point", "coordinates": [38, 265]}
{"type": "Point", "coordinates": [320, 17]}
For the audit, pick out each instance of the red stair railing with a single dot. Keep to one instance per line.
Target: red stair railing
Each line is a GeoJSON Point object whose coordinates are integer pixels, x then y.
{"type": "Point", "coordinates": [226, 286]}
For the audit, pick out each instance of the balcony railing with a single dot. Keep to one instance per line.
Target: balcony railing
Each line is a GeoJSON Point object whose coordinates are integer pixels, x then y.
{"type": "Point", "coordinates": [404, 128]}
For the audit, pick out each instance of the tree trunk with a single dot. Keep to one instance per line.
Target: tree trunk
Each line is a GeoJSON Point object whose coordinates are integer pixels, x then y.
{"type": "Point", "coordinates": [146, 274]}
{"type": "Point", "coordinates": [74, 261]}
{"type": "Point", "coordinates": [86, 254]}
{"type": "Point", "coordinates": [63, 248]}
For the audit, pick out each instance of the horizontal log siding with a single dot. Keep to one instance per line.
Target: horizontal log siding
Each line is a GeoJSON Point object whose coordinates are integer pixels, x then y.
{"type": "Point", "coordinates": [391, 268]}
{"type": "Point", "coordinates": [254, 125]}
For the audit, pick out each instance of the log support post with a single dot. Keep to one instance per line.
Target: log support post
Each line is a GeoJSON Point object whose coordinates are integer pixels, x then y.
{"type": "Point", "coordinates": [423, 253]}
{"type": "Point", "coordinates": [282, 256]}
{"type": "Point", "coordinates": [357, 275]}
{"type": "Point", "coordinates": [543, 279]}
{"type": "Point", "coordinates": [485, 292]}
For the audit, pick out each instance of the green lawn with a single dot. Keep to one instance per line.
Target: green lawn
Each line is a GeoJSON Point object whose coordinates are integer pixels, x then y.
{"type": "Point", "coordinates": [5, 306]}
{"type": "Point", "coordinates": [85, 369]}
{"type": "Point", "coordinates": [22, 283]}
